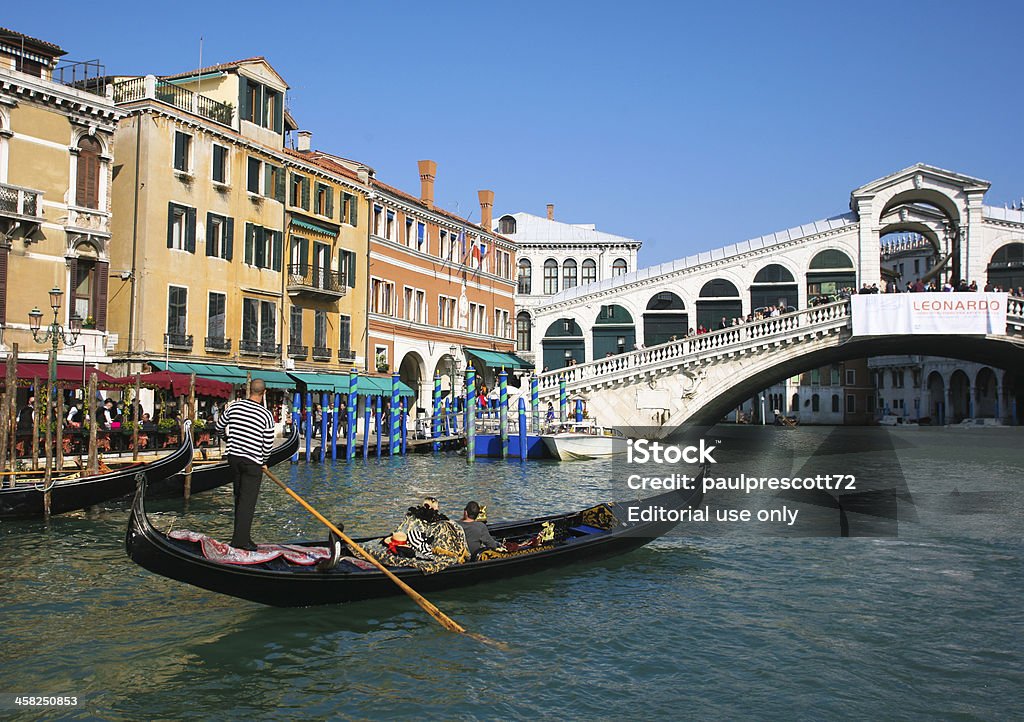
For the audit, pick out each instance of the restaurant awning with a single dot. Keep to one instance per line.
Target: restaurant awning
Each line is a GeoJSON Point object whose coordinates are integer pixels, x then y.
{"type": "Point", "coordinates": [68, 375]}
{"type": "Point", "coordinates": [218, 372]}
{"type": "Point", "coordinates": [178, 384]}
{"type": "Point", "coordinates": [322, 382]}
{"type": "Point", "coordinates": [377, 386]}
{"type": "Point", "coordinates": [273, 379]}
{"type": "Point", "coordinates": [499, 359]}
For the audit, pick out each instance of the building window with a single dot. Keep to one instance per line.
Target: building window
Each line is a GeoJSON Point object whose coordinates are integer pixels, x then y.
{"type": "Point", "coordinates": [523, 334]}
{"type": "Point", "coordinates": [477, 318]}
{"type": "Point", "coordinates": [320, 332]}
{"type": "Point", "coordinates": [264, 247]}
{"type": "Point", "coordinates": [87, 180]}
{"type": "Point", "coordinates": [815, 376]}
{"type": "Point", "coordinates": [182, 152]}
{"type": "Point", "coordinates": [815, 403]}
{"type": "Point", "coordinates": [851, 404]}
{"type": "Point", "coordinates": [851, 377]}
{"type": "Point", "coordinates": [589, 270]}
{"type": "Point", "coordinates": [347, 267]}
{"type": "Point", "coordinates": [410, 226]}
{"type": "Point", "coordinates": [382, 297]}
{"type": "Point", "coordinates": [299, 191]}
{"type": "Point", "coordinates": [216, 316]}
{"type": "Point", "coordinates": [349, 212]}
{"type": "Point", "coordinates": [421, 236]}
{"type": "Point", "coordinates": [181, 228]}
{"type": "Point", "coordinates": [502, 325]}
{"type": "Point", "coordinates": [446, 311]}
{"type": "Point", "coordinates": [569, 273]}
{"type": "Point", "coordinates": [253, 173]}
{"type": "Point", "coordinates": [834, 376]}
{"type": "Point", "coordinates": [550, 276]}
{"type": "Point", "coordinates": [219, 232]}
{"type": "Point", "coordinates": [378, 221]}
{"type": "Point", "coordinates": [345, 337]}
{"type": "Point", "coordinates": [220, 164]}
{"type": "Point", "coordinates": [619, 267]}
{"type": "Point", "coordinates": [84, 288]}
{"type": "Point", "coordinates": [294, 329]}
{"type": "Point", "coordinates": [835, 403]}
{"type": "Point", "coordinates": [506, 225]}
{"type": "Point", "coordinates": [260, 105]}
{"type": "Point", "coordinates": [389, 225]}
{"type": "Point", "coordinates": [259, 325]}
{"type": "Point", "coordinates": [525, 276]}
{"type": "Point", "coordinates": [177, 307]}
{"type": "Point", "coordinates": [273, 182]}
{"type": "Point", "coordinates": [324, 200]}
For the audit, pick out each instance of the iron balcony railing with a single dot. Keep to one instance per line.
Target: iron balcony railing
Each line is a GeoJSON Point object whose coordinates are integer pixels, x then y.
{"type": "Point", "coordinates": [218, 343]}
{"type": "Point", "coordinates": [178, 341]}
{"type": "Point", "coordinates": [296, 350]}
{"type": "Point", "coordinates": [133, 89]}
{"type": "Point", "coordinates": [321, 353]}
{"type": "Point", "coordinates": [346, 354]}
{"type": "Point", "coordinates": [302, 276]}
{"type": "Point", "coordinates": [261, 348]}
{"type": "Point", "coordinates": [18, 201]}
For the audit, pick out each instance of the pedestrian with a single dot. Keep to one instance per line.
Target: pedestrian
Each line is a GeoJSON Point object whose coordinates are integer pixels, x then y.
{"type": "Point", "coordinates": [27, 415]}
{"type": "Point", "coordinates": [249, 429]}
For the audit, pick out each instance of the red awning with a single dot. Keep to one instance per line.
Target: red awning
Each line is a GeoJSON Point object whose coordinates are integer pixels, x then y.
{"type": "Point", "coordinates": [178, 384]}
{"type": "Point", "coordinates": [68, 375]}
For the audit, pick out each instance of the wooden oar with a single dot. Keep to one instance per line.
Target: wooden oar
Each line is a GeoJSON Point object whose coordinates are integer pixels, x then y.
{"type": "Point", "coordinates": [447, 622]}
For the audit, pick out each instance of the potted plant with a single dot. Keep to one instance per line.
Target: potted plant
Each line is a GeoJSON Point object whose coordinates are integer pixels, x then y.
{"type": "Point", "coordinates": [382, 362]}
{"type": "Point", "coordinates": [89, 322]}
{"type": "Point", "coordinates": [167, 426]}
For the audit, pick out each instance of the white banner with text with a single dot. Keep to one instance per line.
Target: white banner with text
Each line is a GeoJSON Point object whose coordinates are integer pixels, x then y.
{"type": "Point", "coordinates": [928, 313]}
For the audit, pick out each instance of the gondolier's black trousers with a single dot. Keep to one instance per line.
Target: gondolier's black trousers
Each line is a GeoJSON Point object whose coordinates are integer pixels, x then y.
{"type": "Point", "coordinates": [246, 477]}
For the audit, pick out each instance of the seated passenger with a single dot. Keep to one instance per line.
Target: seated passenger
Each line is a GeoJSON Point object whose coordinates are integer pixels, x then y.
{"type": "Point", "coordinates": [478, 537]}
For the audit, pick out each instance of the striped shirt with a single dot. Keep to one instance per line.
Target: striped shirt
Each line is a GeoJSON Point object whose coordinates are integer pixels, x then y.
{"type": "Point", "coordinates": [249, 429]}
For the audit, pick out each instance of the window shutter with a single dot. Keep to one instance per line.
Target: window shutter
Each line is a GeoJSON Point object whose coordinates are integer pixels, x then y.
{"type": "Point", "coordinates": [268, 180]}
{"type": "Point", "coordinates": [303, 256]}
{"type": "Point", "coordinates": [250, 236]}
{"type": "Point", "coordinates": [278, 249]}
{"type": "Point", "coordinates": [100, 295]}
{"type": "Point", "coordinates": [279, 186]}
{"type": "Point", "coordinates": [229, 238]}
{"type": "Point", "coordinates": [170, 225]}
{"type": "Point", "coordinates": [279, 113]}
{"type": "Point", "coordinates": [351, 268]}
{"type": "Point", "coordinates": [330, 203]}
{"type": "Point", "coordinates": [259, 240]}
{"type": "Point", "coordinates": [190, 230]}
{"type": "Point", "coordinates": [210, 250]}
{"type": "Point", "coordinates": [305, 193]}
{"type": "Point", "coordinates": [354, 205]}
{"type": "Point", "coordinates": [244, 111]}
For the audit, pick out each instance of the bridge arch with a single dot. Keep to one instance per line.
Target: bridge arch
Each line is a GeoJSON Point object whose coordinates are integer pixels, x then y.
{"type": "Point", "coordinates": [959, 396]}
{"type": "Point", "coordinates": [936, 397]}
{"type": "Point", "coordinates": [829, 272]}
{"type": "Point", "coordinates": [1006, 267]}
{"type": "Point", "coordinates": [412, 371]}
{"type": "Point", "coordinates": [563, 344]}
{"type": "Point", "coordinates": [665, 318]}
{"type": "Point", "coordinates": [773, 285]}
{"type": "Point", "coordinates": [718, 298]}
{"type": "Point", "coordinates": [614, 331]}
{"type": "Point", "coordinates": [986, 393]}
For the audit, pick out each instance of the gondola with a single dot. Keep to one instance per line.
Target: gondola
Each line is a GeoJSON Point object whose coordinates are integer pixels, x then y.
{"type": "Point", "coordinates": [278, 583]}
{"type": "Point", "coordinates": [165, 478]}
{"type": "Point", "coordinates": [213, 476]}
{"type": "Point", "coordinates": [85, 491]}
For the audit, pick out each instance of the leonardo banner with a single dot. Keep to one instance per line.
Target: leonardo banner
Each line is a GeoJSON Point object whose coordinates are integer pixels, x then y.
{"type": "Point", "coordinates": [929, 313]}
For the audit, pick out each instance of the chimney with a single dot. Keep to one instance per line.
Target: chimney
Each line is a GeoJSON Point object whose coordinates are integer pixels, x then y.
{"type": "Point", "coordinates": [551, 211]}
{"type": "Point", "coordinates": [428, 171]}
{"type": "Point", "coordinates": [486, 207]}
{"type": "Point", "coordinates": [303, 143]}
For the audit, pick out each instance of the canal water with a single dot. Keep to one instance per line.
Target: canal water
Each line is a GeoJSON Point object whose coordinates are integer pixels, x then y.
{"type": "Point", "coordinates": [916, 614]}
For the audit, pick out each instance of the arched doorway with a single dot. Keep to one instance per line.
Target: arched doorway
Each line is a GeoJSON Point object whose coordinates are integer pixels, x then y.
{"type": "Point", "coordinates": [445, 368]}
{"type": "Point", "coordinates": [664, 319]}
{"type": "Point", "coordinates": [986, 398]}
{"type": "Point", "coordinates": [936, 398]}
{"type": "Point", "coordinates": [411, 372]}
{"type": "Point", "coordinates": [773, 285]}
{"type": "Point", "coordinates": [959, 397]}
{"type": "Point", "coordinates": [1006, 269]}
{"type": "Point", "coordinates": [614, 332]}
{"type": "Point", "coordinates": [718, 299]}
{"type": "Point", "coordinates": [828, 273]}
{"type": "Point", "coordinates": [563, 344]}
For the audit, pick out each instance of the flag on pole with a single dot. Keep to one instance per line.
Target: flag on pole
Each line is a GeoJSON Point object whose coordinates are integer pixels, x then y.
{"type": "Point", "coordinates": [462, 245]}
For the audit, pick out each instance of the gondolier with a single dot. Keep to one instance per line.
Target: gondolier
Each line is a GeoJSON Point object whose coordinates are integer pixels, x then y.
{"type": "Point", "coordinates": [249, 429]}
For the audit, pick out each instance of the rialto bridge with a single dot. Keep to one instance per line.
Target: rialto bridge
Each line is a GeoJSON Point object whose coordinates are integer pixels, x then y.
{"type": "Point", "coordinates": [623, 343]}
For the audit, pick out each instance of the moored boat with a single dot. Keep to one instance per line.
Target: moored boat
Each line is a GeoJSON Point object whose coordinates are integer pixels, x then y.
{"type": "Point", "coordinates": [595, 533]}
{"type": "Point", "coordinates": [584, 440]}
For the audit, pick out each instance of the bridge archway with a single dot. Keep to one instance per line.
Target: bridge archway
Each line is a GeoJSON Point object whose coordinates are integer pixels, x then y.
{"type": "Point", "coordinates": [614, 332]}
{"type": "Point", "coordinates": [959, 396]}
{"type": "Point", "coordinates": [562, 344]}
{"type": "Point", "coordinates": [828, 273]}
{"type": "Point", "coordinates": [719, 298]}
{"type": "Point", "coordinates": [665, 318]}
{"type": "Point", "coordinates": [1006, 268]}
{"type": "Point", "coordinates": [773, 285]}
{"type": "Point", "coordinates": [910, 252]}
{"type": "Point", "coordinates": [936, 398]}
{"type": "Point", "coordinates": [986, 395]}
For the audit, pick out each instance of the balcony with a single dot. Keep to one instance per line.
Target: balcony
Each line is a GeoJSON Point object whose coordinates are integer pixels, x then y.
{"type": "Point", "coordinates": [319, 283]}
{"type": "Point", "coordinates": [88, 220]}
{"type": "Point", "coordinates": [346, 354]}
{"type": "Point", "coordinates": [259, 348]}
{"type": "Point", "coordinates": [21, 204]}
{"type": "Point", "coordinates": [178, 341]}
{"type": "Point", "coordinates": [321, 353]}
{"type": "Point", "coordinates": [298, 351]}
{"type": "Point", "coordinates": [128, 91]}
{"type": "Point", "coordinates": [218, 344]}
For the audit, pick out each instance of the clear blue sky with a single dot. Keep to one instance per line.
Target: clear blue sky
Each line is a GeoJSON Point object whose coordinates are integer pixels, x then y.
{"type": "Point", "coordinates": [686, 125]}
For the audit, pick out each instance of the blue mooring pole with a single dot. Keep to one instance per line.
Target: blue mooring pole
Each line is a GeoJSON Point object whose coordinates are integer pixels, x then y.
{"type": "Point", "coordinates": [295, 422]}
{"type": "Point", "coordinates": [378, 412]}
{"type": "Point", "coordinates": [309, 426]}
{"type": "Point", "coordinates": [335, 413]}
{"type": "Point", "coordinates": [503, 411]}
{"type": "Point", "coordinates": [563, 400]}
{"type": "Point", "coordinates": [405, 426]}
{"type": "Point", "coordinates": [470, 413]}
{"type": "Point", "coordinates": [324, 420]}
{"type": "Point", "coordinates": [522, 429]}
{"type": "Point", "coordinates": [535, 402]}
{"type": "Point", "coordinates": [435, 420]}
{"type": "Point", "coordinates": [353, 399]}
{"type": "Point", "coordinates": [396, 418]}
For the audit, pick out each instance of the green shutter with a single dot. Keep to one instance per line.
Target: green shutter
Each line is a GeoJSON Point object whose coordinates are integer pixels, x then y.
{"type": "Point", "coordinates": [279, 113]}
{"type": "Point", "coordinates": [355, 211]}
{"type": "Point", "coordinates": [190, 230]}
{"type": "Point", "coordinates": [279, 190]}
{"type": "Point", "coordinates": [259, 241]}
{"type": "Point", "coordinates": [351, 268]}
{"type": "Point", "coordinates": [305, 193]}
{"type": "Point", "coordinates": [268, 180]}
{"type": "Point", "coordinates": [229, 238]}
{"type": "Point", "coordinates": [250, 237]}
{"type": "Point", "coordinates": [278, 249]}
{"type": "Point", "coordinates": [170, 225]}
{"type": "Point", "coordinates": [244, 111]}
{"type": "Point", "coordinates": [209, 236]}
{"type": "Point", "coordinates": [330, 202]}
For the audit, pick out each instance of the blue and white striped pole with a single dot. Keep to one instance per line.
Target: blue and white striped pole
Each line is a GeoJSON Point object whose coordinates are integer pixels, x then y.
{"type": "Point", "coordinates": [295, 422]}
{"type": "Point", "coordinates": [503, 411]}
{"type": "Point", "coordinates": [353, 399]}
{"type": "Point", "coordinates": [324, 420]}
{"type": "Point", "coordinates": [378, 412]}
{"type": "Point", "coordinates": [470, 413]}
{"type": "Point", "coordinates": [396, 417]}
{"type": "Point", "coordinates": [435, 421]}
{"type": "Point", "coordinates": [535, 402]}
{"type": "Point", "coordinates": [522, 429]}
{"type": "Point", "coordinates": [405, 425]}
{"type": "Point", "coordinates": [309, 426]}
{"type": "Point", "coordinates": [563, 400]}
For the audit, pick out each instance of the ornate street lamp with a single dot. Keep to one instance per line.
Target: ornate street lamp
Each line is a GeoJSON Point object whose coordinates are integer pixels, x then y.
{"type": "Point", "coordinates": [55, 333]}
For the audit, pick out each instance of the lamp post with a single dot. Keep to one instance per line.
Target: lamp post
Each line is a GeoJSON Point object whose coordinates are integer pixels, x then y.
{"type": "Point", "coordinates": [55, 332]}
